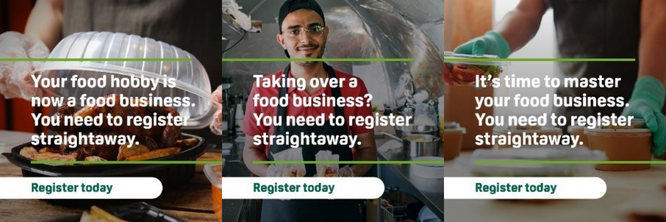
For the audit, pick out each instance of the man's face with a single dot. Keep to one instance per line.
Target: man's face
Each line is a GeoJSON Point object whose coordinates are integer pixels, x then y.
{"type": "Point", "coordinates": [303, 35]}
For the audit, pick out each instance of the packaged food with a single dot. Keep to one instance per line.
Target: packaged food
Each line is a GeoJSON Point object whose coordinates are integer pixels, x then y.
{"type": "Point", "coordinates": [452, 133]}
{"type": "Point", "coordinates": [580, 132]}
{"type": "Point", "coordinates": [214, 174]}
{"type": "Point", "coordinates": [327, 170]}
{"type": "Point", "coordinates": [622, 145]}
{"type": "Point", "coordinates": [465, 72]}
{"type": "Point", "coordinates": [287, 170]}
{"type": "Point", "coordinates": [557, 153]}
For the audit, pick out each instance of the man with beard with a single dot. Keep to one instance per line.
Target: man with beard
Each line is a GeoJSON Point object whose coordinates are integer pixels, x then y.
{"type": "Point", "coordinates": [303, 35]}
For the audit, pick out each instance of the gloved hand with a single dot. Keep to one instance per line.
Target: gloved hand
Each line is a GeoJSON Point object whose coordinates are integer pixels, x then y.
{"type": "Point", "coordinates": [646, 102]}
{"type": "Point", "coordinates": [491, 43]}
{"type": "Point", "coordinates": [15, 79]}
{"type": "Point", "coordinates": [273, 171]}
{"type": "Point", "coordinates": [216, 125]}
{"type": "Point", "coordinates": [346, 171]}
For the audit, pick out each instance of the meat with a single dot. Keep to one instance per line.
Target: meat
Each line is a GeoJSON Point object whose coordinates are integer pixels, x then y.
{"type": "Point", "coordinates": [153, 138]}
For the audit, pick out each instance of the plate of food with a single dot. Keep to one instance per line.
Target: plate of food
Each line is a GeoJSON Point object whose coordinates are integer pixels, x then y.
{"type": "Point", "coordinates": [156, 143]}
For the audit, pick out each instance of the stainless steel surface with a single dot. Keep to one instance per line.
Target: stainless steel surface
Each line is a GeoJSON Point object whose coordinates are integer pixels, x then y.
{"type": "Point", "coordinates": [428, 191]}
{"type": "Point", "coordinates": [411, 148]}
{"type": "Point", "coordinates": [401, 131]}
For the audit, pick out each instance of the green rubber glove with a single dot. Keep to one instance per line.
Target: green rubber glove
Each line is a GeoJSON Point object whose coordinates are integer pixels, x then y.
{"type": "Point", "coordinates": [491, 43]}
{"type": "Point", "coordinates": [646, 102]}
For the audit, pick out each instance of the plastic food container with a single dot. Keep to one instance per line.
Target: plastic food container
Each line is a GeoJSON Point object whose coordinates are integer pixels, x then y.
{"type": "Point", "coordinates": [453, 135]}
{"type": "Point", "coordinates": [546, 130]}
{"type": "Point", "coordinates": [214, 174]}
{"type": "Point", "coordinates": [191, 78]}
{"type": "Point", "coordinates": [622, 145]}
{"type": "Point", "coordinates": [465, 72]}
{"type": "Point", "coordinates": [580, 132]}
{"type": "Point", "coordinates": [429, 171]}
{"type": "Point", "coordinates": [559, 153]}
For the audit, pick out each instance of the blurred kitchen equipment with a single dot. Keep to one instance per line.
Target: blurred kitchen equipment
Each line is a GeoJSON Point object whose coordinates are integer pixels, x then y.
{"type": "Point", "coordinates": [226, 113]}
{"type": "Point", "coordinates": [453, 133]}
{"type": "Point", "coordinates": [426, 215]}
{"type": "Point", "coordinates": [232, 15]}
{"type": "Point", "coordinates": [214, 174]}
{"type": "Point", "coordinates": [430, 171]}
{"type": "Point", "coordinates": [238, 116]}
{"type": "Point", "coordinates": [99, 48]}
{"type": "Point", "coordinates": [418, 145]}
{"type": "Point", "coordinates": [401, 131]}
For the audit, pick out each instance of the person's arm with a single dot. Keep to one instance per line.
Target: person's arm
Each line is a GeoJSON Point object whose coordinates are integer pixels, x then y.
{"type": "Point", "coordinates": [521, 24]}
{"type": "Point", "coordinates": [652, 47]}
{"type": "Point", "coordinates": [45, 22]}
{"type": "Point", "coordinates": [367, 151]}
{"type": "Point", "coordinates": [253, 153]}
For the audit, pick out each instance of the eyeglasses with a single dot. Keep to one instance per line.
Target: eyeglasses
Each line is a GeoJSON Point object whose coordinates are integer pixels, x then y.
{"type": "Point", "coordinates": [315, 31]}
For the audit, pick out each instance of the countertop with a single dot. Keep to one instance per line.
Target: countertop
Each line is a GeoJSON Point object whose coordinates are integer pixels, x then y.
{"type": "Point", "coordinates": [622, 187]}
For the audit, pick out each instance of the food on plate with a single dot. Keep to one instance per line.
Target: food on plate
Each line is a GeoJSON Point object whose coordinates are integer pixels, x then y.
{"type": "Point", "coordinates": [187, 143]}
{"type": "Point", "coordinates": [151, 142]}
{"type": "Point", "coordinates": [48, 150]}
{"type": "Point", "coordinates": [155, 137]}
{"type": "Point", "coordinates": [96, 214]}
{"type": "Point", "coordinates": [154, 154]}
{"type": "Point", "coordinates": [94, 158]}
{"type": "Point", "coordinates": [293, 172]}
{"type": "Point", "coordinates": [329, 171]}
{"type": "Point", "coordinates": [32, 153]}
{"type": "Point", "coordinates": [125, 152]}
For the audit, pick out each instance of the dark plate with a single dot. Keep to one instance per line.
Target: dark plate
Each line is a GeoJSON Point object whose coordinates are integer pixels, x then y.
{"type": "Point", "coordinates": [99, 170]}
{"type": "Point", "coordinates": [133, 212]}
{"type": "Point", "coordinates": [171, 176]}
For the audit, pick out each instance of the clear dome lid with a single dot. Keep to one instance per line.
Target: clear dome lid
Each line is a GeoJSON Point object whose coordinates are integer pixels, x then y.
{"type": "Point", "coordinates": [123, 57]}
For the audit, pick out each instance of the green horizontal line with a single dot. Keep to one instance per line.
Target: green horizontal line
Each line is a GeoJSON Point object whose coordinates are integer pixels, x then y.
{"type": "Point", "coordinates": [541, 60]}
{"type": "Point", "coordinates": [95, 59]}
{"type": "Point", "coordinates": [146, 162]}
{"type": "Point", "coordinates": [561, 162]}
{"type": "Point", "coordinates": [317, 60]}
{"type": "Point", "coordinates": [426, 162]}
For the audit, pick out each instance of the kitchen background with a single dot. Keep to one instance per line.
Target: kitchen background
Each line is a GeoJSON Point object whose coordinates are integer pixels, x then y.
{"type": "Point", "coordinates": [359, 29]}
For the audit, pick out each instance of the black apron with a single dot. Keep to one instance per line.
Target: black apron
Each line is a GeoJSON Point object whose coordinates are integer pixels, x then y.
{"type": "Point", "coordinates": [597, 29]}
{"type": "Point", "coordinates": [312, 210]}
{"type": "Point", "coordinates": [194, 26]}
